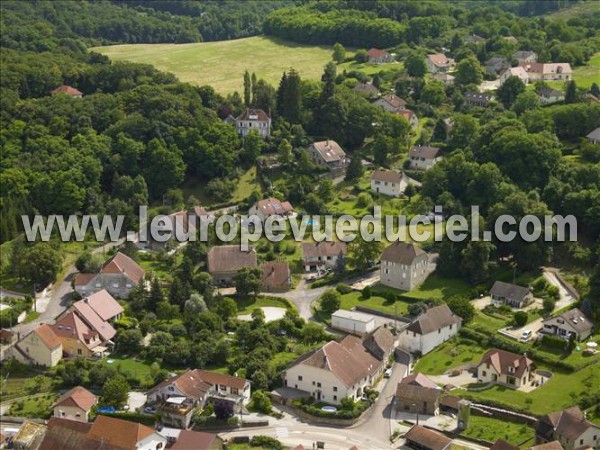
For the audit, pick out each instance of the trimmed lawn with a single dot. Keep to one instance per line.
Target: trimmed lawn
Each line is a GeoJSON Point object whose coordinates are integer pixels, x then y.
{"type": "Point", "coordinates": [437, 287]}
{"type": "Point", "coordinates": [561, 391]}
{"type": "Point", "coordinates": [222, 64]}
{"type": "Point", "coordinates": [486, 323]}
{"type": "Point", "coordinates": [246, 306]}
{"type": "Point", "coordinates": [447, 356]}
{"type": "Point", "coordinates": [584, 76]}
{"type": "Point", "coordinates": [376, 301]}
{"type": "Point", "coordinates": [370, 69]}
{"type": "Point", "coordinates": [246, 185]}
{"type": "Point", "coordinates": [490, 429]}
{"type": "Point", "coordinates": [36, 407]}
{"type": "Point", "coordinates": [139, 370]}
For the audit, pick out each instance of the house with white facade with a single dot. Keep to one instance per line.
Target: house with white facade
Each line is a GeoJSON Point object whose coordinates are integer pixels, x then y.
{"type": "Point", "coordinates": [40, 347]}
{"type": "Point", "coordinates": [336, 370]}
{"type": "Point", "coordinates": [594, 136]}
{"type": "Point", "coordinates": [424, 157]}
{"type": "Point", "coordinates": [404, 266]}
{"type": "Point", "coordinates": [318, 255]}
{"type": "Point", "coordinates": [389, 183]}
{"type": "Point", "coordinates": [328, 153]}
{"type": "Point", "coordinates": [570, 428]}
{"type": "Point", "coordinates": [572, 324]}
{"type": "Point", "coordinates": [547, 71]}
{"type": "Point", "coordinates": [390, 103]}
{"type": "Point", "coordinates": [354, 322]}
{"type": "Point", "coordinates": [510, 294]}
{"type": "Point", "coordinates": [505, 368]}
{"type": "Point", "coordinates": [518, 72]}
{"type": "Point", "coordinates": [271, 206]}
{"type": "Point", "coordinates": [75, 404]}
{"type": "Point", "coordinates": [549, 96]}
{"type": "Point", "coordinates": [253, 119]}
{"type": "Point", "coordinates": [379, 56]}
{"type": "Point", "coordinates": [432, 328]}
{"type": "Point", "coordinates": [120, 433]}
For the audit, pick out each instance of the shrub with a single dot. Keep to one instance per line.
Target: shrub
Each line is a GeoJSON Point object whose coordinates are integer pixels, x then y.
{"type": "Point", "coordinates": [266, 442]}
{"type": "Point", "coordinates": [520, 318]}
{"type": "Point", "coordinates": [553, 342]}
{"type": "Point", "coordinates": [261, 402]}
{"type": "Point", "coordinates": [366, 293]}
{"type": "Point", "coordinates": [364, 200]}
{"type": "Point", "coordinates": [549, 304]}
{"type": "Point", "coordinates": [343, 288]}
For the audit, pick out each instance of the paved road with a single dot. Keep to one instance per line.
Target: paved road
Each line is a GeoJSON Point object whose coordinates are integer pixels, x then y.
{"type": "Point", "coordinates": [60, 295]}
{"type": "Point", "coordinates": [372, 432]}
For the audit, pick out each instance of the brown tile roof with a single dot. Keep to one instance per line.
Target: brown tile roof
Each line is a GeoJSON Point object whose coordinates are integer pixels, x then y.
{"type": "Point", "coordinates": [83, 279]}
{"type": "Point", "coordinates": [271, 206]}
{"type": "Point", "coordinates": [194, 440]}
{"type": "Point", "coordinates": [121, 263]}
{"type": "Point", "coordinates": [402, 253]}
{"type": "Point", "coordinates": [501, 361]}
{"type": "Point", "coordinates": [253, 114]}
{"type": "Point", "coordinates": [547, 68]}
{"type": "Point", "coordinates": [104, 304]}
{"type": "Point", "coordinates": [376, 53]}
{"type": "Point", "coordinates": [410, 392]}
{"type": "Point", "coordinates": [189, 383]}
{"type": "Point", "coordinates": [78, 396]}
{"type": "Point", "coordinates": [554, 445]}
{"type": "Point", "coordinates": [65, 434]}
{"type": "Point", "coordinates": [418, 379]}
{"type": "Point", "coordinates": [85, 312]}
{"type": "Point", "coordinates": [406, 113]}
{"type": "Point", "coordinates": [71, 326]}
{"type": "Point", "coordinates": [329, 150]}
{"type": "Point", "coordinates": [275, 275]}
{"type": "Point", "coordinates": [428, 439]}
{"type": "Point", "coordinates": [387, 176]}
{"type": "Point", "coordinates": [75, 425]}
{"type": "Point", "coordinates": [348, 360]}
{"type": "Point", "coordinates": [321, 249]}
{"type": "Point", "coordinates": [47, 335]}
{"type": "Point", "coordinates": [380, 342]}
{"type": "Point", "coordinates": [450, 401]}
{"type": "Point", "coordinates": [434, 319]}
{"type": "Point", "coordinates": [64, 89]}
{"type": "Point", "coordinates": [230, 258]}
{"type": "Point", "coordinates": [425, 152]}
{"type": "Point", "coordinates": [439, 59]}
{"type": "Point", "coordinates": [569, 423]}
{"type": "Point", "coordinates": [394, 101]}
{"type": "Point", "coordinates": [501, 444]}
{"type": "Point", "coordinates": [215, 378]}
{"type": "Point", "coordinates": [118, 432]}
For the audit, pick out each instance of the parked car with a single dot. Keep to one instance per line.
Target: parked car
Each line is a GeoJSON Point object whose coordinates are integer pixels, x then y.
{"type": "Point", "coordinates": [149, 410]}
{"type": "Point", "coordinates": [387, 373]}
{"type": "Point", "coordinates": [526, 335]}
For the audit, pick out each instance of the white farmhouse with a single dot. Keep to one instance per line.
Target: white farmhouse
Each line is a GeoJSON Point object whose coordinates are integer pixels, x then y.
{"type": "Point", "coordinates": [318, 255]}
{"type": "Point", "coordinates": [389, 183]}
{"type": "Point", "coordinates": [353, 322]}
{"type": "Point", "coordinates": [75, 404]}
{"type": "Point", "coordinates": [424, 157]}
{"type": "Point", "coordinates": [404, 266]}
{"type": "Point", "coordinates": [431, 329]}
{"type": "Point", "coordinates": [253, 119]}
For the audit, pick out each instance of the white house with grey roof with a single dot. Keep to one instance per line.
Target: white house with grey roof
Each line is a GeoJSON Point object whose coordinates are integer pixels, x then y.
{"type": "Point", "coordinates": [430, 329]}
{"type": "Point", "coordinates": [389, 183]}
{"type": "Point", "coordinates": [354, 322]}
{"type": "Point", "coordinates": [572, 323]}
{"type": "Point", "coordinates": [594, 136]}
{"type": "Point", "coordinates": [424, 157]}
{"type": "Point", "coordinates": [510, 294]}
{"type": "Point", "coordinates": [404, 266]}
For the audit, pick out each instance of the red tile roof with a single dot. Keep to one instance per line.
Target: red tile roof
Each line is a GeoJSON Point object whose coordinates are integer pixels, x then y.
{"type": "Point", "coordinates": [188, 382]}
{"type": "Point", "coordinates": [221, 378]}
{"type": "Point", "coordinates": [275, 275]}
{"type": "Point", "coordinates": [253, 114]}
{"type": "Point", "coordinates": [387, 176]}
{"type": "Point", "coordinates": [501, 361]}
{"type": "Point", "coordinates": [121, 263]}
{"type": "Point", "coordinates": [272, 206]}
{"type": "Point", "coordinates": [376, 53]}
{"type": "Point", "coordinates": [85, 312]}
{"type": "Point", "coordinates": [427, 438]}
{"type": "Point", "coordinates": [439, 59]}
{"type": "Point", "coordinates": [71, 326]}
{"type": "Point", "coordinates": [64, 89]}
{"type": "Point", "coordinates": [418, 379]}
{"type": "Point", "coordinates": [46, 334]}
{"type": "Point", "coordinates": [394, 101]}
{"type": "Point", "coordinates": [118, 432]}
{"type": "Point", "coordinates": [230, 258]}
{"type": "Point", "coordinates": [78, 396]}
{"type": "Point", "coordinates": [83, 279]}
{"type": "Point", "coordinates": [194, 440]}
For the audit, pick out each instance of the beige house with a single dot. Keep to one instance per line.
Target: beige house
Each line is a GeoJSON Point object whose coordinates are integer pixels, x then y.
{"type": "Point", "coordinates": [505, 368]}
{"type": "Point", "coordinates": [328, 153]}
{"type": "Point", "coordinates": [416, 392]}
{"type": "Point", "coordinates": [119, 275]}
{"type": "Point", "coordinates": [271, 206]}
{"type": "Point", "coordinates": [424, 157]}
{"type": "Point", "coordinates": [432, 328]}
{"type": "Point", "coordinates": [389, 183]}
{"type": "Point", "coordinates": [570, 428]}
{"type": "Point", "coordinates": [318, 255]}
{"type": "Point", "coordinates": [224, 262]}
{"type": "Point", "coordinates": [336, 370]}
{"type": "Point", "coordinates": [40, 347]}
{"type": "Point", "coordinates": [83, 337]}
{"type": "Point", "coordinates": [518, 72]}
{"type": "Point", "coordinates": [570, 324]}
{"type": "Point", "coordinates": [547, 71]}
{"type": "Point", "coordinates": [390, 103]}
{"type": "Point", "coordinates": [404, 266]}
{"type": "Point", "coordinates": [76, 404]}
{"type": "Point", "coordinates": [253, 119]}
{"type": "Point", "coordinates": [438, 62]}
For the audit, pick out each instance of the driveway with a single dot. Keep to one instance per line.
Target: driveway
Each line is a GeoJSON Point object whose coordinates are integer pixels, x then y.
{"type": "Point", "coordinates": [136, 400]}
{"type": "Point", "coordinates": [302, 297]}
{"type": "Point", "coordinates": [565, 298]}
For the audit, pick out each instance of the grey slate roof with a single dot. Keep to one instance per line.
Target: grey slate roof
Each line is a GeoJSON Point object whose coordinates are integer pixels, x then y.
{"type": "Point", "coordinates": [510, 291]}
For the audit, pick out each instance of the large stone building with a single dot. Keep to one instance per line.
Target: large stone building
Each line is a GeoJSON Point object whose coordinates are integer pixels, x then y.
{"type": "Point", "coordinates": [404, 266]}
{"type": "Point", "coordinates": [224, 262]}
{"type": "Point", "coordinates": [253, 119]}
{"type": "Point", "coordinates": [432, 328]}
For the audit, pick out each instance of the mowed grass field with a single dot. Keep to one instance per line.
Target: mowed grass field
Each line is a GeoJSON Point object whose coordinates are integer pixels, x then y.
{"type": "Point", "coordinates": [584, 76]}
{"type": "Point", "coordinates": [222, 64]}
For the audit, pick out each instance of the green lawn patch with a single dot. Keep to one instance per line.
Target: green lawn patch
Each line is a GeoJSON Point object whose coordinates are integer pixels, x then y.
{"type": "Point", "coordinates": [36, 407]}
{"type": "Point", "coordinates": [377, 301]}
{"type": "Point", "coordinates": [438, 287]}
{"type": "Point", "coordinates": [490, 429]}
{"type": "Point", "coordinates": [247, 305]}
{"type": "Point", "coordinates": [222, 64]}
{"type": "Point", "coordinates": [450, 354]}
{"type": "Point", "coordinates": [584, 76]}
{"type": "Point", "coordinates": [486, 323]}
{"type": "Point", "coordinates": [132, 368]}
{"type": "Point", "coordinates": [247, 184]}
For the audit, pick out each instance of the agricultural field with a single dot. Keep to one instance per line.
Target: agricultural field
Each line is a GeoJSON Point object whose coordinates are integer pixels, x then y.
{"type": "Point", "coordinates": [584, 76]}
{"type": "Point", "coordinates": [222, 64]}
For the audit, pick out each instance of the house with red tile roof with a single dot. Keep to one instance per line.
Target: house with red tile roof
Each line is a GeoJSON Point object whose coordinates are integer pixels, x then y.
{"type": "Point", "coordinates": [379, 56]}
{"type": "Point", "coordinates": [505, 368]}
{"type": "Point", "coordinates": [80, 338]}
{"type": "Point", "coordinates": [253, 119]}
{"type": "Point", "coordinates": [75, 404]}
{"type": "Point", "coordinates": [276, 276]}
{"type": "Point", "coordinates": [67, 90]}
{"type": "Point", "coordinates": [271, 206]}
{"type": "Point", "coordinates": [125, 435]}
{"type": "Point", "coordinates": [438, 62]}
{"type": "Point", "coordinates": [119, 275]}
{"type": "Point", "coordinates": [40, 347]}
{"type": "Point", "coordinates": [104, 305]}
{"type": "Point", "coordinates": [337, 369]}
{"type": "Point", "coordinates": [390, 103]}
